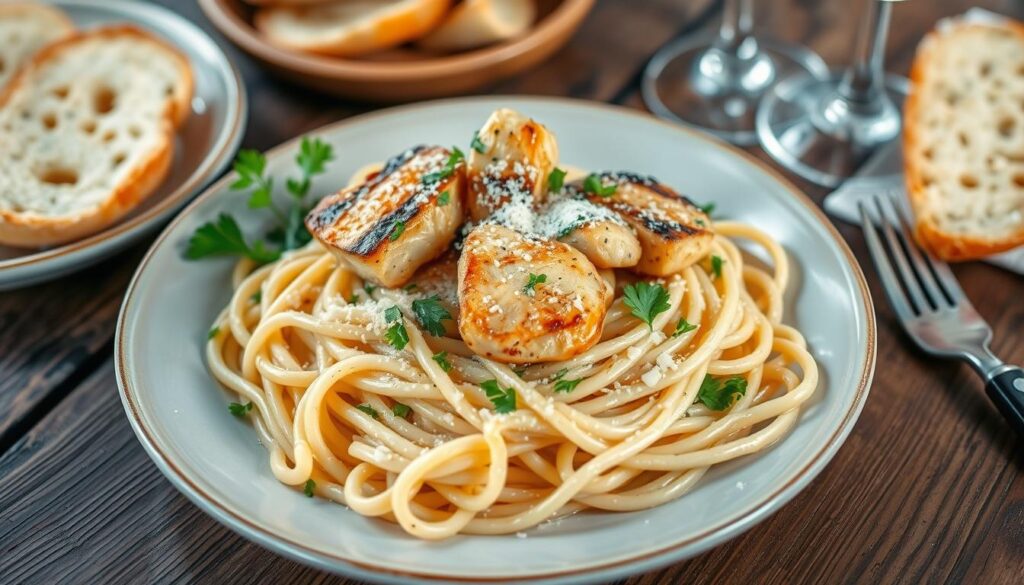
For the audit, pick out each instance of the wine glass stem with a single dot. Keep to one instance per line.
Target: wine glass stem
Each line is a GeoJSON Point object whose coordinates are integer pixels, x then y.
{"type": "Point", "coordinates": [863, 80]}
{"type": "Point", "coordinates": [737, 25]}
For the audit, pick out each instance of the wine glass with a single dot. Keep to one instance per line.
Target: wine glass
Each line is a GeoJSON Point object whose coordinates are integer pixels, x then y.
{"type": "Point", "coordinates": [713, 82]}
{"type": "Point", "coordinates": [823, 129]}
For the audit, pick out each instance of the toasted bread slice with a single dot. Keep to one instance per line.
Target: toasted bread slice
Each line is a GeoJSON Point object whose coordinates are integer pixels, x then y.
{"type": "Point", "coordinates": [349, 29]}
{"type": "Point", "coordinates": [26, 28]}
{"type": "Point", "coordinates": [475, 23]}
{"type": "Point", "coordinates": [86, 130]}
{"type": "Point", "coordinates": [964, 140]}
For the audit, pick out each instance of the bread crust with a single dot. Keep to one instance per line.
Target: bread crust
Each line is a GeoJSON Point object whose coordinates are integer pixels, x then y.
{"type": "Point", "coordinates": [33, 230]}
{"type": "Point", "coordinates": [945, 245]}
{"type": "Point", "coordinates": [387, 32]}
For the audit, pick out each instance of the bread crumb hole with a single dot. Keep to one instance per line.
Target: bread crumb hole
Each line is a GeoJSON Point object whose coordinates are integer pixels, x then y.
{"type": "Point", "coordinates": [89, 126]}
{"type": "Point", "coordinates": [2, 65]}
{"type": "Point", "coordinates": [986, 68]}
{"type": "Point", "coordinates": [61, 92]}
{"type": "Point", "coordinates": [103, 100]}
{"type": "Point", "coordinates": [49, 120]}
{"type": "Point", "coordinates": [135, 131]}
{"type": "Point", "coordinates": [963, 139]}
{"type": "Point", "coordinates": [109, 136]}
{"type": "Point", "coordinates": [59, 176]}
{"type": "Point", "coordinates": [1006, 126]}
{"type": "Point", "coordinates": [1018, 180]}
{"type": "Point", "coordinates": [118, 159]}
{"type": "Point", "coordinates": [929, 153]}
{"type": "Point", "coordinates": [969, 181]}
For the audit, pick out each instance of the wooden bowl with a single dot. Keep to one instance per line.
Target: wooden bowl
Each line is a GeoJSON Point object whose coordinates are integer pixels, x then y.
{"type": "Point", "coordinates": [404, 74]}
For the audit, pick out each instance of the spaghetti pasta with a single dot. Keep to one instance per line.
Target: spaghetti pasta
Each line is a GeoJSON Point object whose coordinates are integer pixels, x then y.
{"type": "Point", "coordinates": [399, 435]}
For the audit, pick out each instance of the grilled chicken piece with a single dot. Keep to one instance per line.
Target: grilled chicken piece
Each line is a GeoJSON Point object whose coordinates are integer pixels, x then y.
{"type": "Point", "coordinates": [505, 318]}
{"type": "Point", "coordinates": [673, 232]}
{"type": "Point", "coordinates": [396, 221]}
{"type": "Point", "coordinates": [604, 237]}
{"type": "Point", "coordinates": [518, 154]}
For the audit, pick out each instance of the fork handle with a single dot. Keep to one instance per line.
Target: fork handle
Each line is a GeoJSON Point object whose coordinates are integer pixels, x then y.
{"type": "Point", "coordinates": [1006, 389]}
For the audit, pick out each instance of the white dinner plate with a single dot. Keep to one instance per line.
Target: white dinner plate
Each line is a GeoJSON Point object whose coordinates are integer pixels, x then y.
{"type": "Point", "coordinates": [204, 146]}
{"type": "Point", "coordinates": [179, 413]}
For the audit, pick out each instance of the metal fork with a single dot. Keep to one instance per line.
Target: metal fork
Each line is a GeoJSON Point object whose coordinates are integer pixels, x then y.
{"type": "Point", "coordinates": [932, 307]}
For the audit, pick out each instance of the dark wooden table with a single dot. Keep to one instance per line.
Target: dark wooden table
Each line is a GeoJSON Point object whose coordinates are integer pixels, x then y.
{"type": "Point", "coordinates": [928, 488]}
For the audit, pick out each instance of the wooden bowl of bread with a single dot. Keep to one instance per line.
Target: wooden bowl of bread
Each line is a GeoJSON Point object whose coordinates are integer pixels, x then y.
{"type": "Point", "coordinates": [397, 50]}
{"type": "Point", "coordinates": [112, 114]}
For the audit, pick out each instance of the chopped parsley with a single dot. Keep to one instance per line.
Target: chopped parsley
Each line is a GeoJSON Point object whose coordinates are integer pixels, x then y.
{"type": "Point", "coordinates": [256, 297]}
{"type": "Point", "coordinates": [646, 301]}
{"type": "Point", "coordinates": [707, 208]}
{"type": "Point", "coordinates": [354, 298]}
{"type": "Point", "coordinates": [444, 198]}
{"type": "Point", "coordinates": [716, 266]}
{"type": "Point", "coordinates": [532, 281]}
{"type": "Point", "coordinates": [449, 167]}
{"type": "Point", "coordinates": [308, 488]}
{"type": "Point", "coordinates": [567, 385]}
{"type": "Point", "coordinates": [477, 144]}
{"type": "Point", "coordinates": [396, 335]}
{"type": "Point", "coordinates": [410, 287]}
{"type": "Point", "coordinates": [369, 288]}
{"type": "Point", "coordinates": [720, 395]}
{"type": "Point", "coordinates": [560, 374]}
{"type": "Point", "coordinates": [368, 410]}
{"type": "Point", "coordinates": [401, 410]}
{"type": "Point", "coordinates": [683, 326]}
{"type": "Point", "coordinates": [441, 358]}
{"type": "Point", "coordinates": [504, 400]}
{"type": "Point", "coordinates": [223, 236]}
{"type": "Point", "coordinates": [213, 332]}
{"type": "Point", "coordinates": [429, 312]}
{"type": "Point", "coordinates": [556, 179]}
{"type": "Point", "coordinates": [592, 184]}
{"type": "Point", "coordinates": [240, 410]}
{"type": "Point", "coordinates": [397, 230]}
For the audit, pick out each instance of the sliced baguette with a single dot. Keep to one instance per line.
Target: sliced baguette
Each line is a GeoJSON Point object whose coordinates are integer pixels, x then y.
{"type": "Point", "coordinates": [86, 133]}
{"type": "Point", "coordinates": [475, 23]}
{"type": "Point", "coordinates": [352, 28]}
{"type": "Point", "coordinates": [964, 139]}
{"type": "Point", "coordinates": [26, 28]}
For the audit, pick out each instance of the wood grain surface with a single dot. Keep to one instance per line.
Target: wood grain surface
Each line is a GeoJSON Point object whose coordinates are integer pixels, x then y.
{"type": "Point", "coordinates": [927, 489]}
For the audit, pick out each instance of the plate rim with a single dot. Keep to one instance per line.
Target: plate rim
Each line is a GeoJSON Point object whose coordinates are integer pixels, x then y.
{"type": "Point", "coordinates": [644, 561]}
{"type": "Point", "coordinates": [215, 162]}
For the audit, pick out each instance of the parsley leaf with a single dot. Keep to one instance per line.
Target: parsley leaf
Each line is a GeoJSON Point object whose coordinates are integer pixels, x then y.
{"type": "Point", "coordinates": [240, 410]}
{"type": "Point", "coordinates": [225, 238]}
{"type": "Point", "coordinates": [410, 287]}
{"type": "Point", "coordinates": [401, 410]}
{"type": "Point", "coordinates": [683, 326]}
{"type": "Point", "coordinates": [556, 179]}
{"type": "Point", "coordinates": [444, 198]}
{"type": "Point", "coordinates": [532, 282]}
{"type": "Point", "coordinates": [593, 184]}
{"type": "Point", "coordinates": [396, 335]}
{"type": "Point", "coordinates": [368, 410]}
{"type": "Point", "coordinates": [504, 400]}
{"type": "Point", "coordinates": [313, 156]}
{"type": "Point", "coordinates": [560, 374]}
{"type": "Point", "coordinates": [250, 165]}
{"type": "Point", "coordinates": [449, 167]}
{"type": "Point", "coordinates": [716, 266]}
{"type": "Point", "coordinates": [719, 395]}
{"type": "Point", "coordinates": [707, 208]}
{"type": "Point", "coordinates": [646, 301]}
{"type": "Point", "coordinates": [369, 288]}
{"type": "Point", "coordinates": [429, 312]}
{"type": "Point", "coordinates": [256, 297]}
{"type": "Point", "coordinates": [567, 385]}
{"type": "Point", "coordinates": [477, 144]}
{"type": "Point", "coordinates": [441, 358]}
{"type": "Point", "coordinates": [213, 332]}
{"type": "Point", "coordinates": [308, 488]}
{"type": "Point", "coordinates": [397, 230]}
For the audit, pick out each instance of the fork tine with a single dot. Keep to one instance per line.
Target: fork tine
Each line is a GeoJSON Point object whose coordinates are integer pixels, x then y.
{"type": "Point", "coordinates": [890, 282]}
{"type": "Point", "coordinates": [940, 269]}
{"type": "Point", "coordinates": [910, 274]}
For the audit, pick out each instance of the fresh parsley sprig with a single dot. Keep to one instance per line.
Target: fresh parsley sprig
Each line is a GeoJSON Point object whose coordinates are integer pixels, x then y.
{"type": "Point", "coordinates": [477, 144]}
{"type": "Point", "coordinates": [716, 265]}
{"type": "Point", "coordinates": [401, 410]}
{"type": "Point", "coordinates": [530, 288]}
{"type": "Point", "coordinates": [593, 184]}
{"type": "Point", "coordinates": [308, 488]}
{"type": "Point", "coordinates": [646, 301]}
{"type": "Point", "coordinates": [224, 237]}
{"type": "Point", "coordinates": [366, 408]}
{"type": "Point", "coordinates": [504, 400]}
{"type": "Point", "coordinates": [721, 394]}
{"type": "Point", "coordinates": [683, 326]}
{"type": "Point", "coordinates": [556, 179]}
{"type": "Point", "coordinates": [454, 159]}
{"type": "Point", "coordinates": [441, 358]}
{"type": "Point", "coordinates": [567, 386]}
{"type": "Point", "coordinates": [430, 312]}
{"type": "Point", "coordinates": [240, 410]}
